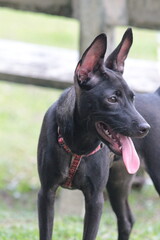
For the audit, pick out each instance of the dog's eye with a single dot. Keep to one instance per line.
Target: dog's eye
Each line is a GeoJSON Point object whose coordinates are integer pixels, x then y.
{"type": "Point", "coordinates": [112, 99]}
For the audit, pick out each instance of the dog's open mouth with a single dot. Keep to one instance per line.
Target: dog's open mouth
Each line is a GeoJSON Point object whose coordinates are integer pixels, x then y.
{"type": "Point", "coordinates": [120, 145]}
{"type": "Point", "coordinates": [110, 136]}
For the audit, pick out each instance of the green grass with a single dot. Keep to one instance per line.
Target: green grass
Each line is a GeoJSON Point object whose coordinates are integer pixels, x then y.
{"type": "Point", "coordinates": [64, 32]}
{"type": "Point", "coordinates": [21, 223]}
{"type": "Point", "coordinates": [39, 28]}
{"type": "Point", "coordinates": [21, 113]}
{"type": "Point", "coordinates": [22, 109]}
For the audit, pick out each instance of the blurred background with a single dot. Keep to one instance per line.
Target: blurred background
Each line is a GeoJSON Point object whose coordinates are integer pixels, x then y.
{"type": "Point", "coordinates": [40, 43]}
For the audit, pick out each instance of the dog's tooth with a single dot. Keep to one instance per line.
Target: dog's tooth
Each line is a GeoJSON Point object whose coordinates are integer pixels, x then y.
{"type": "Point", "coordinates": [107, 132]}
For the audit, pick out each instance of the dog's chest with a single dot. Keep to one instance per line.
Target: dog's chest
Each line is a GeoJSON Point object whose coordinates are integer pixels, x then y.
{"type": "Point", "coordinates": [91, 170]}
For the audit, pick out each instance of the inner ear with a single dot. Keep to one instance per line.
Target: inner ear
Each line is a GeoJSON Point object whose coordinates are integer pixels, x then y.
{"type": "Point", "coordinates": [116, 59]}
{"type": "Point", "coordinates": [92, 58]}
{"type": "Point", "coordinates": [123, 53]}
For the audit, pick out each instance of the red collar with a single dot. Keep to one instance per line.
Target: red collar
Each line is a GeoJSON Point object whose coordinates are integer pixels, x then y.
{"type": "Point", "coordinates": [75, 162]}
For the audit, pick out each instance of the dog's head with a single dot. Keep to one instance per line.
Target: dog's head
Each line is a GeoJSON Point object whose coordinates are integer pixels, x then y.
{"type": "Point", "coordinates": [104, 99]}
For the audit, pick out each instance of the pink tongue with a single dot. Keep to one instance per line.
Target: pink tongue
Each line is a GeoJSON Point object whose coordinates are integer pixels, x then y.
{"type": "Point", "coordinates": [129, 154]}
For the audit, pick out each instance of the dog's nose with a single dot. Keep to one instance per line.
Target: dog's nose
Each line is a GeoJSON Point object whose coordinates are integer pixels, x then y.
{"type": "Point", "coordinates": [144, 129]}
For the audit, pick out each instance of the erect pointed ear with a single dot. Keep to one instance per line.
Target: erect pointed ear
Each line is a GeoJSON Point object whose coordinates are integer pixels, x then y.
{"type": "Point", "coordinates": [91, 60]}
{"type": "Point", "coordinates": [116, 59]}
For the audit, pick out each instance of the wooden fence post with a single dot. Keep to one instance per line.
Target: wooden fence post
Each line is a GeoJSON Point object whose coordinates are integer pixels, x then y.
{"type": "Point", "coordinates": [92, 22]}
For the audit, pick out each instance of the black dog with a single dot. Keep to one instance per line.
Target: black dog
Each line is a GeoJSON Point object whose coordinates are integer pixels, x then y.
{"type": "Point", "coordinates": [97, 111]}
{"type": "Point", "coordinates": [120, 181]}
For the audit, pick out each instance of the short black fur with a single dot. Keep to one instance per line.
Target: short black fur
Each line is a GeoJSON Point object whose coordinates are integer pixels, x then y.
{"type": "Point", "coordinates": [82, 114]}
{"type": "Point", "coordinates": [120, 182]}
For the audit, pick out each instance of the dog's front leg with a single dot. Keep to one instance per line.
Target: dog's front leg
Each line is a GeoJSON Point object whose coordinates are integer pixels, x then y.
{"type": "Point", "coordinates": [93, 211]}
{"type": "Point", "coordinates": [118, 186]}
{"type": "Point", "coordinates": [46, 213]}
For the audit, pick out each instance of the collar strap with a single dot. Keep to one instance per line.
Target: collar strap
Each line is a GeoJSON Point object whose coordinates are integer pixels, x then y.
{"type": "Point", "coordinates": [76, 159]}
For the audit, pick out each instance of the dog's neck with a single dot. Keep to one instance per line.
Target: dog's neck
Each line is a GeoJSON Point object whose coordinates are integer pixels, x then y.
{"type": "Point", "coordinates": [79, 139]}
{"type": "Point", "coordinates": [74, 129]}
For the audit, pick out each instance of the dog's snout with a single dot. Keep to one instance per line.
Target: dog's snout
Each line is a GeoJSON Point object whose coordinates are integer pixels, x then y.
{"type": "Point", "coordinates": [144, 129]}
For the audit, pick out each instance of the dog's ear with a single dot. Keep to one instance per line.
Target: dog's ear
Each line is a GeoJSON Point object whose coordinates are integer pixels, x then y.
{"type": "Point", "coordinates": [91, 60]}
{"type": "Point", "coordinates": [116, 59]}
